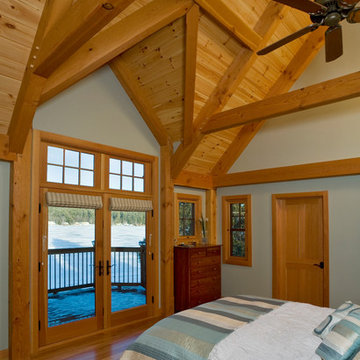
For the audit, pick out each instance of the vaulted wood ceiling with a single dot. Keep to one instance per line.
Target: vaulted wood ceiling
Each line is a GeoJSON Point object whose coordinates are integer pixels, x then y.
{"type": "Point", "coordinates": [180, 61]}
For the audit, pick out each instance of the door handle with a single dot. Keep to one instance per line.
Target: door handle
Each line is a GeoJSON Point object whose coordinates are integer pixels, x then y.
{"type": "Point", "coordinates": [321, 265]}
{"type": "Point", "coordinates": [108, 267]}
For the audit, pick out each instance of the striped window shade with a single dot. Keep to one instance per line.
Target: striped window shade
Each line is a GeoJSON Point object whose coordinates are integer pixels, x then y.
{"type": "Point", "coordinates": [74, 200]}
{"type": "Point", "coordinates": [125, 204]}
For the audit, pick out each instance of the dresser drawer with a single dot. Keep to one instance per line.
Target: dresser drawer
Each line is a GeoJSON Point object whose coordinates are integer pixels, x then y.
{"type": "Point", "coordinates": [208, 281]}
{"type": "Point", "coordinates": [204, 272]}
{"type": "Point", "coordinates": [198, 300]}
{"type": "Point", "coordinates": [195, 253]}
{"type": "Point", "coordinates": [201, 291]}
{"type": "Point", "coordinates": [206, 261]}
{"type": "Point", "coordinates": [213, 251]}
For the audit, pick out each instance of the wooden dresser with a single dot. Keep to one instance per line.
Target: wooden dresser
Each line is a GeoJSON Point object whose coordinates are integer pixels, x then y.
{"type": "Point", "coordinates": [197, 275]}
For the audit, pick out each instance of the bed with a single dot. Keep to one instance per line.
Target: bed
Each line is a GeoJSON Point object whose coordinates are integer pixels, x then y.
{"type": "Point", "coordinates": [243, 327]}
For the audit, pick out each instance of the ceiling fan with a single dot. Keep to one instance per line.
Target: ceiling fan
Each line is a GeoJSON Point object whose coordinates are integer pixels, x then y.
{"type": "Point", "coordinates": [322, 13]}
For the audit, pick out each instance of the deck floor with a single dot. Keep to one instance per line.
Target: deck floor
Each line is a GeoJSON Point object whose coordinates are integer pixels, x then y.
{"type": "Point", "coordinates": [73, 305]}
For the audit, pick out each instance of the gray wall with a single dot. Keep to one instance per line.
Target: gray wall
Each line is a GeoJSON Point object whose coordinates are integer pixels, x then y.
{"type": "Point", "coordinates": [344, 237]}
{"type": "Point", "coordinates": [4, 253]}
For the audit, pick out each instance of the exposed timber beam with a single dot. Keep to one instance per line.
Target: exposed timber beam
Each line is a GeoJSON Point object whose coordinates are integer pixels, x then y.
{"type": "Point", "coordinates": [137, 96]}
{"type": "Point", "coordinates": [231, 21]}
{"type": "Point", "coordinates": [167, 231]}
{"type": "Point", "coordinates": [290, 173]}
{"type": "Point", "coordinates": [80, 23]}
{"type": "Point", "coordinates": [298, 64]}
{"type": "Point", "coordinates": [227, 85]}
{"type": "Point", "coordinates": [194, 180]}
{"type": "Point", "coordinates": [113, 41]}
{"type": "Point", "coordinates": [30, 90]}
{"type": "Point", "coordinates": [5, 155]}
{"type": "Point", "coordinates": [211, 213]}
{"type": "Point", "coordinates": [192, 25]}
{"type": "Point", "coordinates": [324, 93]}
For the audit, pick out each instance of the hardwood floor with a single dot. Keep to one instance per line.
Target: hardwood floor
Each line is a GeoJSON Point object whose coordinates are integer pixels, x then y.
{"type": "Point", "coordinates": [107, 346]}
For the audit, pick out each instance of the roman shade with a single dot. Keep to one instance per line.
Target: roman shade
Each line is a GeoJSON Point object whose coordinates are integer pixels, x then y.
{"type": "Point", "coordinates": [125, 204]}
{"type": "Point", "coordinates": [73, 200]}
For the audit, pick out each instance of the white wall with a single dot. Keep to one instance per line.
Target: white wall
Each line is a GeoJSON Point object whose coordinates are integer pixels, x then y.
{"type": "Point", "coordinates": [344, 237]}
{"type": "Point", "coordinates": [4, 253]}
{"type": "Point", "coordinates": [327, 133]}
{"type": "Point", "coordinates": [97, 109]}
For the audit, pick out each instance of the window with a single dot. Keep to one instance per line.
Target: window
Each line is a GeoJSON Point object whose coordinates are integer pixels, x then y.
{"type": "Point", "coordinates": [236, 227]}
{"type": "Point", "coordinates": [126, 175]}
{"type": "Point", "coordinates": [187, 215]}
{"type": "Point", "coordinates": [66, 166]}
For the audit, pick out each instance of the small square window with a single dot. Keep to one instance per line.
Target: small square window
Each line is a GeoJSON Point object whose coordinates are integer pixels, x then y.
{"type": "Point", "coordinates": [55, 155]}
{"type": "Point", "coordinates": [114, 182]}
{"type": "Point", "coordinates": [55, 174]}
{"type": "Point", "coordinates": [127, 168]}
{"type": "Point", "coordinates": [127, 184]}
{"type": "Point", "coordinates": [72, 158]}
{"type": "Point", "coordinates": [115, 166]}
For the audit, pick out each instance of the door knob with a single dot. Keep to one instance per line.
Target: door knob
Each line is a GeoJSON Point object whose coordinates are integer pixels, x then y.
{"type": "Point", "coordinates": [321, 265]}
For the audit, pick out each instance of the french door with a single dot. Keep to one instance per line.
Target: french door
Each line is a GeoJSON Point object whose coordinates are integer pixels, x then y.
{"type": "Point", "coordinates": [93, 268]}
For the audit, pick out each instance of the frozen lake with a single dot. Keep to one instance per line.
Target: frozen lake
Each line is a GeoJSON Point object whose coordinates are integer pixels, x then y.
{"type": "Point", "coordinates": [82, 235]}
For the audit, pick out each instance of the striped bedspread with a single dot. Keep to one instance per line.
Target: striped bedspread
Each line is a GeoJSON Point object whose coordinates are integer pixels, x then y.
{"type": "Point", "coordinates": [191, 334]}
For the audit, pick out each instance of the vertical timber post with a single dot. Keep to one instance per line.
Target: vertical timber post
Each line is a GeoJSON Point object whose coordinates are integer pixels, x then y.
{"type": "Point", "coordinates": [167, 232]}
{"type": "Point", "coordinates": [19, 256]}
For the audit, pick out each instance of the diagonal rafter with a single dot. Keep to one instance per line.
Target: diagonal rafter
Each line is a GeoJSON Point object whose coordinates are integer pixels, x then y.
{"type": "Point", "coordinates": [80, 23]}
{"type": "Point", "coordinates": [31, 86]}
{"type": "Point", "coordinates": [136, 94]}
{"type": "Point", "coordinates": [113, 41]}
{"type": "Point", "coordinates": [192, 26]}
{"type": "Point", "coordinates": [298, 64]}
{"type": "Point", "coordinates": [233, 76]}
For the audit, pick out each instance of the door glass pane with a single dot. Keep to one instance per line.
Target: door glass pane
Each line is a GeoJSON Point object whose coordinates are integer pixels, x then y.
{"type": "Point", "coordinates": [128, 260]}
{"type": "Point", "coordinates": [71, 260]}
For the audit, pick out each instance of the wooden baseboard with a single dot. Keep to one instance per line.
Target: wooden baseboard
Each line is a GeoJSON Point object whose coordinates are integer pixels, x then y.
{"type": "Point", "coordinates": [4, 354]}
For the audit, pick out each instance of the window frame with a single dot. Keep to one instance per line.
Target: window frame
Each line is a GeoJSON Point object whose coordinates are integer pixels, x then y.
{"type": "Point", "coordinates": [227, 201]}
{"type": "Point", "coordinates": [197, 201]}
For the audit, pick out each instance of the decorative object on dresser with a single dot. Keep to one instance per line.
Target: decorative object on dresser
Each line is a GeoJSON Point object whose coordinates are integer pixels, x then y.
{"type": "Point", "coordinates": [197, 273]}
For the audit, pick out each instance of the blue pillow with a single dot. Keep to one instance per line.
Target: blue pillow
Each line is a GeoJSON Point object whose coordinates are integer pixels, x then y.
{"type": "Point", "coordinates": [343, 341]}
{"type": "Point", "coordinates": [331, 320]}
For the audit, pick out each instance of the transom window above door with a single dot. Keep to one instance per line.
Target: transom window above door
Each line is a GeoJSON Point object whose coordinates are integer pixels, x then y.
{"type": "Point", "coordinates": [126, 175]}
{"type": "Point", "coordinates": [71, 167]}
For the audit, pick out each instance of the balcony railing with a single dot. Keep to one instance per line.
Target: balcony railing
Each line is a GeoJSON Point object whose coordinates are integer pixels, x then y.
{"type": "Point", "coordinates": [75, 268]}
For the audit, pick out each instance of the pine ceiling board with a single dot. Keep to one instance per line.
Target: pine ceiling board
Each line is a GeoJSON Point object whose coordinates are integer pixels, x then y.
{"type": "Point", "coordinates": [216, 50]}
{"type": "Point", "coordinates": [9, 85]}
{"type": "Point", "coordinates": [20, 11]}
{"type": "Point", "coordinates": [249, 11]}
{"type": "Point", "coordinates": [15, 31]}
{"type": "Point", "coordinates": [158, 66]}
{"type": "Point", "coordinates": [5, 117]}
{"type": "Point", "coordinates": [11, 69]}
{"type": "Point", "coordinates": [209, 151]}
{"type": "Point", "coordinates": [7, 100]}
{"type": "Point", "coordinates": [14, 51]}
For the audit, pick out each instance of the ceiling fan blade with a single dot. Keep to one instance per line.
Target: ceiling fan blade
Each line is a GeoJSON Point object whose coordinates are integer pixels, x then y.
{"type": "Point", "coordinates": [288, 39]}
{"type": "Point", "coordinates": [348, 2]}
{"type": "Point", "coordinates": [307, 6]}
{"type": "Point", "coordinates": [354, 16]}
{"type": "Point", "coordinates": [333, 43]}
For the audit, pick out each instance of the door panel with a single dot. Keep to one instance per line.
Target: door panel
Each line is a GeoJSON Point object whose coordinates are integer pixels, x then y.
{"type": "Point", "coordinates": [300, 243]}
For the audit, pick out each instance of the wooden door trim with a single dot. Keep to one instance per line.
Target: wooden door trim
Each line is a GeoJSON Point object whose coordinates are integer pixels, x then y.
{"type": "Point", "coordinates": [275, 240]}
